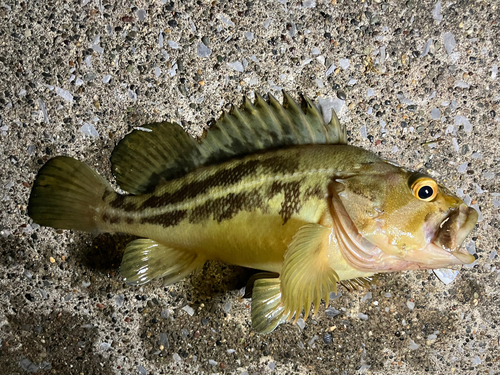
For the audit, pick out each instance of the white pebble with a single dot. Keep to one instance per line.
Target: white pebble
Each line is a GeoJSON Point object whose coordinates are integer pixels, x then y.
{"type": "Point", "coordinates": [410, 304]}
{"type": "Point", "coordinates": [88, 129]}
{"type": "Point", "coordinates": [172, 44]}
{"type": "Point", "coordinates": [413, 345]}
{"type": "Point", "coordinates": [227, 306]}
{"type": "Point", "coordinates": [236, 65]}
{"type": "Point", "coordinates": [435, 113]}
{"type": "Point", "coordinates": [363, 131]}
{"type": "Point", "coordinates": [446, 275]}
{"type": "Point", "coordinates": [330, 70]}
{"type": "Point", "coordinates": [344, 63]}
{"type": "Point", "coordinates": [436, 13]}
{"type": "Point", "coordinates": [65, 94]}
{"type": "Point", "coordinates": [300, 323]}
{"type": "Point", "coordinates": [463, 167]}
{"type": "Point", "coordinates": [362, 316]}
{"type": "Point", "coordinates": [449, 42]}
{"type": "Point", "coordinates": [202, 50]}
{"type": "Point", "coordinates": [427, 48]}
{"type": "Point", "coordinates": [188, 309]}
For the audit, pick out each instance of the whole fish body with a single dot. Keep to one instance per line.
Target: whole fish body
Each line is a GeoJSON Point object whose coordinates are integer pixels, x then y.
{"type": "Point", "coordinates": [271, 187]}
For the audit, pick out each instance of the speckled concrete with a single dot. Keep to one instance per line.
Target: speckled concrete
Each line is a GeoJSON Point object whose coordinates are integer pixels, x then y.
{"type": "Point", "coordinates": [76, 76]}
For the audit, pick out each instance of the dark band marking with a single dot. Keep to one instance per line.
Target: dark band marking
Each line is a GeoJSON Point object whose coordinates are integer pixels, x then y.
{"type": "Point", "coordinates": [106, 194]}
{"type": "Point", "coordinates": [110, 219]}
{"type": "Point", "coordinates": [227, 207]}
{"type": "Point", "coordinates": [225, 177]}
{"type": "Point", "coordinates": [291, 201]}
{"type": "Point", "coordinates": [280, 165]}
{"type": "Point", "coordinates": [123, 202]}
{"type": "Point", "coordinates": [168, 219]}
{"type": "Point", "coordinates": [316, 191]}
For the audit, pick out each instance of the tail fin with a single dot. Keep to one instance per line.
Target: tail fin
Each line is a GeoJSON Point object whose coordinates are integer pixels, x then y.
{"type": "Point", "coordinates": [66, 194]}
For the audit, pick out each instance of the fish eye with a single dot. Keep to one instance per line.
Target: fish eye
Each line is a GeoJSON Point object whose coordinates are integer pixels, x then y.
{"type": "Point", "coordinates": [424, 188]}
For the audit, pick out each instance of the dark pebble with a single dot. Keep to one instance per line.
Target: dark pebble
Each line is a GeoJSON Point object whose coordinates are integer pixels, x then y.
{"type": "Point", "coordinates": [336, 86]}
{"type": "Point", "coordinates": [331, 312]}
{"type": "Point", "coordinates": [404, 124]}
{"type": "Point", "coordinates": [493, 114]}
{"type": "Point", "coordinates": [387, 102]}
{"type": "Point", "coordinates": [29, 297]}
{"type": "Point", "coordinates": [341, 95]}
{"type": "Point", "coordinates": [205, 321]}
{"type": "Point", "coordinates": [172, 23]}
{"type": "Point", "coordinates": [327, 338]}
{"type": "Point", "coordinates": [412, 108]}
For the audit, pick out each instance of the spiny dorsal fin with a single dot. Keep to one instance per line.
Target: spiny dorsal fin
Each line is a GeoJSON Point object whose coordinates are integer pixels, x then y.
{"type": "Point", "coordinates": [163, 151]}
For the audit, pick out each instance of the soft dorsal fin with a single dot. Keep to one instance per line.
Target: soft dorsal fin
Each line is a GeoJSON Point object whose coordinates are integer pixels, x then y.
{"type": "Point", "coordinates": [163, 151]}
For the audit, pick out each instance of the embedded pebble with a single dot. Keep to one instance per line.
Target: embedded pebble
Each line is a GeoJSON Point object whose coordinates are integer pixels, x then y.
{"type": "Point", "coordinates": [435, 113]}
{"type": "Point", "coordinates": [189, 310]}
{"type": "Point", "coordinates": [436, 13]}
{"type": "Point", "coordinates": [172, 44]}
{"type": "Point", "coordinates": [410, 304]}
{"type": "Point", "coordinates": [332, 312]}
{"type": "Point", "coordinates": [449, 42]}
{"type": "Point", "coordinates": [363, 131]}
{"type": "Point", "coordinates": [344, 63]}
{"type": "Point", "coordinates": [413, 345]}
{"type": "Point", "coordinates": [362, 316]}
{"type": "Point", "coordinates": [89, 129]}
{"type": "Point", "coordinates": [446, 275]}
{"type": "Point", "coordinates": [463, 167]}
{"type": "Point", "coordinates": [236, 65]}
{"type": "Point", "coordinates": [300, 323]}
{"type": "Point", "coordinates": [65, 94]}
{"type": "Point", "coordinates": [202, 50]}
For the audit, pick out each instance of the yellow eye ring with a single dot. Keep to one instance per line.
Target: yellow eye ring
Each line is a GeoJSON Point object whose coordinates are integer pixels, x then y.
{"type": "Point", "coordinates": [425, 189]}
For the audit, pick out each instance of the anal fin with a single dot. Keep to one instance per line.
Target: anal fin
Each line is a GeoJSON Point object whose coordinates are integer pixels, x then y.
{"type": "Point", "coordinates": [146, 259]}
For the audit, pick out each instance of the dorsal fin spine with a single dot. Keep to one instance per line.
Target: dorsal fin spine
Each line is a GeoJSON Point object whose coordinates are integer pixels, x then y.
{"type": "Point", "coordinates": [142, 159]}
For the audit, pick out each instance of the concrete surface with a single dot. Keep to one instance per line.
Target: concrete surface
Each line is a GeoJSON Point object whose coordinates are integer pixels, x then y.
{"type": "Point", "coordinates": [420, 84]}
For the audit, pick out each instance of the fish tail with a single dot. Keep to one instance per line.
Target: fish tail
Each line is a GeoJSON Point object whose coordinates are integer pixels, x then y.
{"type": "Point", "coordinates": [67, 194]}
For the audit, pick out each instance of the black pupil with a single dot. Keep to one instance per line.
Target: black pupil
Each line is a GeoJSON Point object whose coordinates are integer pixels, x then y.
{"type": "Point", "coordinates": [425, 192]}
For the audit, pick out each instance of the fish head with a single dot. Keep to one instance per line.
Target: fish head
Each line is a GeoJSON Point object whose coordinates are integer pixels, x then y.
{"type": "Point", "coordinates": [398, 219]}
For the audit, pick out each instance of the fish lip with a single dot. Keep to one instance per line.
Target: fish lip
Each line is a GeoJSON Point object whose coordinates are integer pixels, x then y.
{"type": "Point", "coordinates": [453, 230]}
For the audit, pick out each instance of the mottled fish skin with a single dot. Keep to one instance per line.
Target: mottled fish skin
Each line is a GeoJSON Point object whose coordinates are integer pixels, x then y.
{"type": "Point", "coordinates": [218, 210]}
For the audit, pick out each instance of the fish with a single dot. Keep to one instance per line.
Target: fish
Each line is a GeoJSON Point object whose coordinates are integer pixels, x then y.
{"type": "Point", "coordinates": [271, 186]}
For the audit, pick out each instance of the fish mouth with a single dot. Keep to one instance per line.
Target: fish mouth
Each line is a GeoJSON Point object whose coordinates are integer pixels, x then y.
{"type": "Point", "coordinates": [451, 233]}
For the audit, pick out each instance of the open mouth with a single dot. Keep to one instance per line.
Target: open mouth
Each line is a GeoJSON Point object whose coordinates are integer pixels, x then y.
{"type": "Point", "coordinates": [453, 229]}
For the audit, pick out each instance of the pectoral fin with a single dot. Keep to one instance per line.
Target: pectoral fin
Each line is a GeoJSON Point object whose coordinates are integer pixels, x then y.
{"type": "Point", "coordinates": [145, 259]}
{"type": "Point", "coordinates": [306, 278]}
{"type": "Point", "coordinates": [306, 275]}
